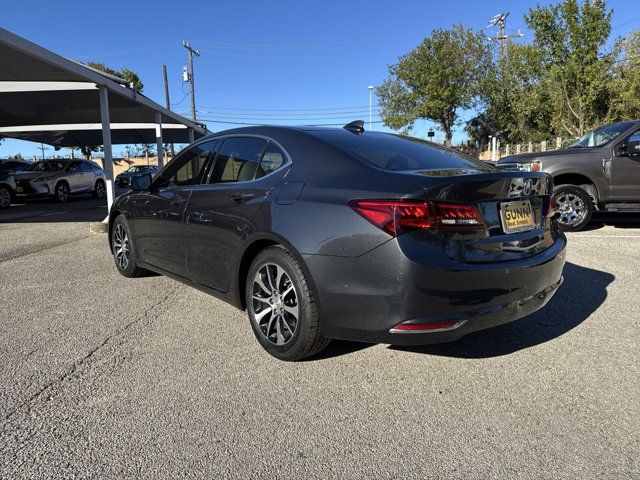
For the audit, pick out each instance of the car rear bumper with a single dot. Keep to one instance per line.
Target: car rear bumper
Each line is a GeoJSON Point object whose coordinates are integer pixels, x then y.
{"type": "Point", "coordinates": [364, 298]}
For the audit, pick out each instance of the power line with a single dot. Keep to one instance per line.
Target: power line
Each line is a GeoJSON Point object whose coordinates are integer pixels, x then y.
{"type": "Point", "coordinates": [291, 114]}
{"type": "Point", "coordinates": [306, 125]}
{"type": "Point", "coordinates": [357, 107]}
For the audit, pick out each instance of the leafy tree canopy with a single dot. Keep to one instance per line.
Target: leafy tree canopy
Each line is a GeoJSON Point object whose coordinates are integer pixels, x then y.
{"type": "Point", "coordinates": [434, 81]}
{"type": "Point", "coordinates": [130, 76]}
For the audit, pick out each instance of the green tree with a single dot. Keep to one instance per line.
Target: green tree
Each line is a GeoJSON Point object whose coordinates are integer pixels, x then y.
{"type": "Point", "coordinates": [625, 87]}
{"type": "Point", "coordinates": [130, 76]}
{"type": "Point", "coordinates": [570, 40]}
{"type": "Point", "coordinates": [515, 94]}
{"type": "Point", "coordinates": [434, 81]}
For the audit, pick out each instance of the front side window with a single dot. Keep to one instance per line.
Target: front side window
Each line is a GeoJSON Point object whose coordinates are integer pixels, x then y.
{"type": "Point", "coordinates": [74, 167]}
{"type": "Point", "coordinates": [238, 160]}
{"type": "Point", "coordinates": [635, 137]}
{"type": "Point", "coordinates": [189, 167]}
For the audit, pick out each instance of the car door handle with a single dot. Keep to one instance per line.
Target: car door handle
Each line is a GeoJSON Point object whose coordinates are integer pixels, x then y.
{"type": "Point", "coordinates": [241, 197]}
{"type": "Point", "coordinates": [177, 203]}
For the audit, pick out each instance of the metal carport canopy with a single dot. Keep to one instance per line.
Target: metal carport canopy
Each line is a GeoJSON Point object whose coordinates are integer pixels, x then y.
{"type": "Point", "coordinates": [47, 98]}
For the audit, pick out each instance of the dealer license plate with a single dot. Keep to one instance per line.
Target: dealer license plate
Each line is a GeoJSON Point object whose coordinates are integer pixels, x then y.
{"type": "Point", "coordinates": [516, 216]}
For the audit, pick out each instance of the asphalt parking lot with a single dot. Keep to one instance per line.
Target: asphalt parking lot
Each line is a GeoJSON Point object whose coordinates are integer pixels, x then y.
{"type": "Point", "coordinates": [101, 376]}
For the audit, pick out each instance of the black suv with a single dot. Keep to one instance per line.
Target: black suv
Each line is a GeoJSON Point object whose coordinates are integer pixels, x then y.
{"type": "Point", "coordinates": [600, 171]}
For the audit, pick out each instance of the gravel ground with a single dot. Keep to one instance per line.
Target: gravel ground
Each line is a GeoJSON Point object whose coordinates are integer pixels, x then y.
{"type": "Point", "coordinates": [105, 377]}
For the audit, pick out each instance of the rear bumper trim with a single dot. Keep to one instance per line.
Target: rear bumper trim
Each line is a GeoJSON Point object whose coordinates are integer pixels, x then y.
{"type": "Point", "coordinates": [429, 330]}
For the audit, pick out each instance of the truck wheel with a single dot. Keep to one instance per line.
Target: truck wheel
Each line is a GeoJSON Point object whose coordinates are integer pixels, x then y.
{"type": "Point", "coordinates": [574, 207]}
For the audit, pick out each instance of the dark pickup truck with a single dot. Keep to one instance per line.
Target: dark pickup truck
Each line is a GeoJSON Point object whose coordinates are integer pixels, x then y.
{"type": "Point", "coordinates": [598, 172]}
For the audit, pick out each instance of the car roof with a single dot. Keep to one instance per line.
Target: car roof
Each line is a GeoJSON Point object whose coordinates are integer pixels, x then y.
{"type": "Point", "coordinates": [269, 129]}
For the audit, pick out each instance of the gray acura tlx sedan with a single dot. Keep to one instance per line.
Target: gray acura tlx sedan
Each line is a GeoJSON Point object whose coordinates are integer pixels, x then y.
{"type": "Point", "coordinates": [324, 233]}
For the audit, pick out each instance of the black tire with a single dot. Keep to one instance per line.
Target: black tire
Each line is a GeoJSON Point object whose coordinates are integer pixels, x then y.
{"type": "Point", "coordinates": [129, 268]}
{"type": "Point", "coordinates": [307, 338]}
{"type": "Point", "coordinates": [100, 189]}
{"type": "Point", "coordinates": [574, 206]}
{"type": "Point", "coordinates": [6, 195]}
{"type": "Point", "coordinates": [62, 192]}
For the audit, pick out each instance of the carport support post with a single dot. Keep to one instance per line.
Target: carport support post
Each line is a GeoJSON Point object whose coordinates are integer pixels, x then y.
{"type": "Point", "coordinates": [106, 143]}
{"type": "Point", "coordinates": [159, 143]}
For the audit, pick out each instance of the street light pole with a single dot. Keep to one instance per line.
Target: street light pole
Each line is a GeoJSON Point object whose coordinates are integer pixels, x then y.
{"type": "Point", "coordinates": [370, 107]}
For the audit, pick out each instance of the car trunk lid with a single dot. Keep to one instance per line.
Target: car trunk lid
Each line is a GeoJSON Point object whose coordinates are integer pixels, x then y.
{"type": "Point", "coordinates": [513, 206]}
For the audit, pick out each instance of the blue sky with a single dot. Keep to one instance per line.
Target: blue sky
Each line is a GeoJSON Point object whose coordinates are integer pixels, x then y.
{"type": "Point", "coordinates": [281, 62]}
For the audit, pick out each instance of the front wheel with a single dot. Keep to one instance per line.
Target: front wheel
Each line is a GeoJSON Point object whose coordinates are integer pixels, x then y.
{"type": "Point", "coordinates": [62, 192]}
{"type": "Point", "coordinates": [281, 306]}
{"type": "Point", "coordinates": [123, 250]}
{"type": "Point", "coordinates": [5, 197]}
{"type": "Point", "coordinates": [99, 190]}
{"type": "Point", "coordinates": [574, 207]}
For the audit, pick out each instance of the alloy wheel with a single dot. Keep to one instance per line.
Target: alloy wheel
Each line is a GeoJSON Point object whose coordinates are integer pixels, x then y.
{"type": "Point", "coordinates": [275, 304]}
{"type": "Point", "coordinates": [62, 192]}
{"type": "Point", "coordinates": [5, 198]}
{"type": "Point", "coordinates": [121, 247]}
{"type": "Point", "coordinates": [571, 208]}
{"type": "Point", "coordinates": [100, 189]}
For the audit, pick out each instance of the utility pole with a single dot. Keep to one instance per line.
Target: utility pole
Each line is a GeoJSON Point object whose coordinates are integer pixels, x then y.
{"type": "Point", "coordinates": [166, 99]}
{"type": "Point", "coordinates": [42, 148]}
{"type": "Point", "coordinates": [500, 21]}
{"type": "Point", "coordinates": [370, 126]}
{"type": "Point", "coordinates": [190, 78]}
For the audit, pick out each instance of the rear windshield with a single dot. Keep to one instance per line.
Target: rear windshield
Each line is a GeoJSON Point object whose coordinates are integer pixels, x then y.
{"type": "Point", "coordinates": [397, 152]}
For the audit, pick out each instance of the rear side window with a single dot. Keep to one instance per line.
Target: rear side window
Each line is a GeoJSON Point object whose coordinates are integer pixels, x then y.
{"type": "Point", "coordinates": [396, 152]}
{"type": "Point", "coordinates": [237, 160]}
{"type": "Point", "coordinates": [272, 159]}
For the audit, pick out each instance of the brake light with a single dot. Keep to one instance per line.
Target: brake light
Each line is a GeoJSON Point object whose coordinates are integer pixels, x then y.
{"type": "Point", "coordinates": [399, 216]}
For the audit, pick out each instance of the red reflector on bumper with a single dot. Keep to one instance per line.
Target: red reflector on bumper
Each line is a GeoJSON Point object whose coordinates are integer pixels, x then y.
{"type": "Point", "coordinates": [426, 327]}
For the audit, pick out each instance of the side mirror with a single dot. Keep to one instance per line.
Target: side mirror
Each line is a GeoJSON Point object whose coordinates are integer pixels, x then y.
{"type": "Point", "coordinates": [630, 149]}
{"type": "Point", "coordinates": [141, 182]}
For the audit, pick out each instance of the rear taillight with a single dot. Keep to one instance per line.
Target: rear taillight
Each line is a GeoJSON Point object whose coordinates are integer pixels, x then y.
{"type": "Point", "coordinates": [399, 216]}
{"type": "Point", "coordinates": [550, 206]}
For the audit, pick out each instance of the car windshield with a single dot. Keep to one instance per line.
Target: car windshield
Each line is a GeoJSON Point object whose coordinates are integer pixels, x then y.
{"type": "Point", "coordinates": [134, 169]}
{"type": "Point", "coordinates": [48, 166]}
{"type": "Point", "coordinates": [602, 135]}
{"type": "Point", "coordinates": [399, 152]}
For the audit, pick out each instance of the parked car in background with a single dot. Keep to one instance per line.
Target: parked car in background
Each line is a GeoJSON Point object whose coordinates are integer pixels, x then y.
{"type": "Point", "coordinates": [11, 166]}
{"type": "Point", "coordinates": [340, 233]}
{"type": "Point", "coordinates": [124, 179]}
{"type": "Point", "coordinates": [61, 179]}
{"type": "Point", "coordinates": [598, 172]}
{"type": "Point", "coordinates": [7, 188]}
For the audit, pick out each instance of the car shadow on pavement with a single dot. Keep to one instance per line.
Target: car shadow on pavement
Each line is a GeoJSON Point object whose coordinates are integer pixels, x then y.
{"type": "Point", "coordinates": [616, 220]}
{"type": "Point", "coordinates": [583, 291]}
